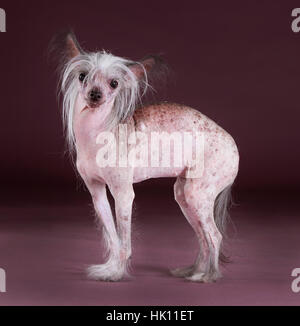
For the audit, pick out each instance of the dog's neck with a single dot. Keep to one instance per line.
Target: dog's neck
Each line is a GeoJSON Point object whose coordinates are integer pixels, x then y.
{"type": "Point", "coordinates": [88, 123]}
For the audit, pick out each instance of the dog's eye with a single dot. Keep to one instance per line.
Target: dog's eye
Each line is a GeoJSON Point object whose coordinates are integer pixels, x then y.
{"type": "Point", "coordinates": [81, 77]}
{"type": "Point", "coordinates": [114, 83]}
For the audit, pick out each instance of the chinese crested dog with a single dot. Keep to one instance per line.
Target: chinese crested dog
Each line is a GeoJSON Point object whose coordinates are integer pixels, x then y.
{"type": "Point", "coordinates": [118, 142]}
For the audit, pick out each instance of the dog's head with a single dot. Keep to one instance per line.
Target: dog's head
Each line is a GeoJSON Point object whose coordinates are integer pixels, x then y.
{"type": "Point", "coordinates": [101, 78]}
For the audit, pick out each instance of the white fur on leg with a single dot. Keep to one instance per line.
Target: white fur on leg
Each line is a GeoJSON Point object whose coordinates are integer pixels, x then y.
{"type": "Point", "coordinates": [115, 267]}
{"type": "Point", "coordinates": [113, 270]}
{"type": "Point", "coordinates": [204, 277]}
{"type": "Point", "coordinates": [206, 268]}
{"type": "Point", "coordinates": [183, 271]}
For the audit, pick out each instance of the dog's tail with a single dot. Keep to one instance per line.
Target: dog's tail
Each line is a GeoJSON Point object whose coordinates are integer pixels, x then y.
{"type": "Point", "coordinates": [221, 215]}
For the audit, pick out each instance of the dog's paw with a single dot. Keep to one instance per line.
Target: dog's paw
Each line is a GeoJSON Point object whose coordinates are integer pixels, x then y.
{"type": "Point", "coordinates": [183, 271]}
{"type": "Point", "coordinates": [204, 277]}
{"type": "Point", "coordinates": [106, 272]}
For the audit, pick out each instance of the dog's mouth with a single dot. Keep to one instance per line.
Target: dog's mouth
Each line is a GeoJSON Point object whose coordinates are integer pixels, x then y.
{"type": "Point", "coordinates": [92, 105]}
{"type": "Point", "coordinates": [85, 108]}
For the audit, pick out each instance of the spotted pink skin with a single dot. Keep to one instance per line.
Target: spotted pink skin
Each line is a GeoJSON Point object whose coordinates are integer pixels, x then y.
{"type": "Point", "coordinates": [195, 197]}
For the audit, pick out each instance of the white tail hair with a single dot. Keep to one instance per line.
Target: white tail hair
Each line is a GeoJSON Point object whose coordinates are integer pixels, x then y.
{"type": "Point", "coordinates": [221, 216]}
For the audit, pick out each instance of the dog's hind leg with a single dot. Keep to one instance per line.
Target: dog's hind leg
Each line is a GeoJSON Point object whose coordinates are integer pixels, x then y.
{"type": "Point", "coordinates": [196, 199]}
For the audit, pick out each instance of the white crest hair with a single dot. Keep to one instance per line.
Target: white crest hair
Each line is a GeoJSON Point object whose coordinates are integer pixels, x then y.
{"type": "Point", "coordinates": [125, 102]}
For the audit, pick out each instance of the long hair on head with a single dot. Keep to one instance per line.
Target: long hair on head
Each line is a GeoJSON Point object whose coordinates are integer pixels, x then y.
{"type": "Point", "coordinates": [134, 78]}
{"type": "Point", "coordinates": [128, 97]}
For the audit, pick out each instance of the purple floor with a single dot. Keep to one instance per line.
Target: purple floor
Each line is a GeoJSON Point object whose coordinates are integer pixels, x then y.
{"type": "Point", "coordinates": [45, 248]}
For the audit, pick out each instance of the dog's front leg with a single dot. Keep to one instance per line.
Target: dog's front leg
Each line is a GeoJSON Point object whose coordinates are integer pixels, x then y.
{"type": "Point", "coordinates": [114, 268]}
{"type": "Point", "coordinates": [124, 196]}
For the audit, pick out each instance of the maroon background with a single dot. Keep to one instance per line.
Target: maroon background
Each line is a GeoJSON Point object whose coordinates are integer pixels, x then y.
{"type": "Point", "coordinates": [236, 61]}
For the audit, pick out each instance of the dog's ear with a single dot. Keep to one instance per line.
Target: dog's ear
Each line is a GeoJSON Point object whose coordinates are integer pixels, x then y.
{"type": "Point", "coordinates": [72, 46]}
{"type": "Point", "coordinates": [154, 66]}
{"type": "Point", "coordinates": [144, 66]}
{"type": "Point", "coordinates": [62, 48]}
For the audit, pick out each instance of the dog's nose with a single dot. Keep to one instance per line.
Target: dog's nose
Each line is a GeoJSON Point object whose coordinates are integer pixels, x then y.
{"type": "Point", "coordinates": [95, 94]}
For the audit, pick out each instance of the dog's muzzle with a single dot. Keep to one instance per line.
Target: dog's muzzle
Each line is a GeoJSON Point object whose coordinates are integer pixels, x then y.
{"type": "Point", "coordinates": [94, 95]}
